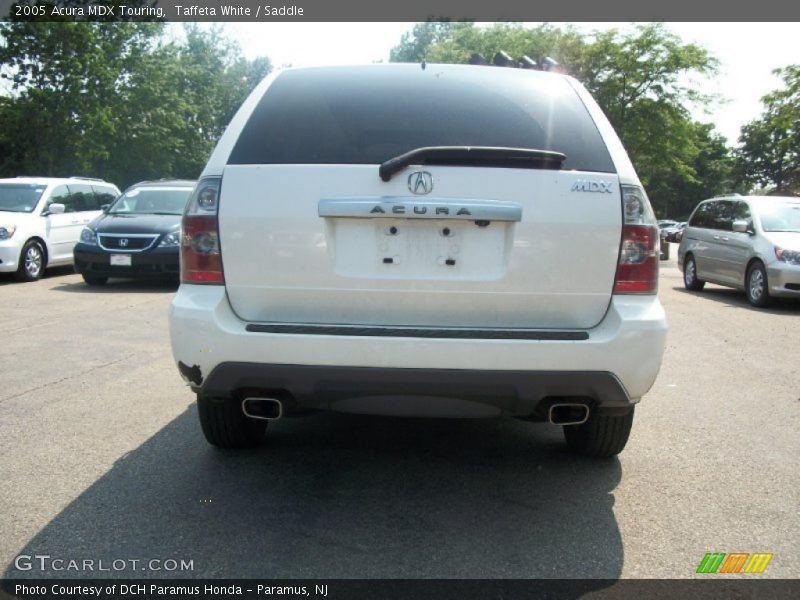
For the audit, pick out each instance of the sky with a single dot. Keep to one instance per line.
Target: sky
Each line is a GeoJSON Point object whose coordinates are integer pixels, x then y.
{"type": "Point", "coordinates": [748, 52]}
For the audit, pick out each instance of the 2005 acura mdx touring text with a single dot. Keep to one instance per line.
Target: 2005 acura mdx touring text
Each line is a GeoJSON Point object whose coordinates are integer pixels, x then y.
{"type": "Point", "coordinates": [440, 241]}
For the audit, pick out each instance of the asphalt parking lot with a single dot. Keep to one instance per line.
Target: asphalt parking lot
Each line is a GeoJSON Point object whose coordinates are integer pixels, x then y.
{"type": "Point", "coordinates": [102, 458]}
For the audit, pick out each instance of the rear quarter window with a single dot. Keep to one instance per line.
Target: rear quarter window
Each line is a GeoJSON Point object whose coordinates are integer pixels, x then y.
{"type": "Point", "coordinates": [718, 214]}
{"type": "Point", "coordinates": [368, 115]}
{"type": "Point", "coordinates": [104, 194]}
{"type": "Point", "coordinates": [702, 216]}
{"type": "Point", "coordinates": [83, 198]}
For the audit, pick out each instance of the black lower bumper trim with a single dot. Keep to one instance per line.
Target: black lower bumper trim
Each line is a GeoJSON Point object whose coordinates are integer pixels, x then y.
{"type": "Point", "coordinates": [513, 393]}
{"type": "Point", "coordinates": [418, 332]}
{"type": "Point", "coordinates": [143, 265]}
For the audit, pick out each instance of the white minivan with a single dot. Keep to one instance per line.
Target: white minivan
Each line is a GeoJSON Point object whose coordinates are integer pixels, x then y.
{"type": "Point", "coordinates": [419, 240]}
{"type": "Point", "coordinates": [41, 219]}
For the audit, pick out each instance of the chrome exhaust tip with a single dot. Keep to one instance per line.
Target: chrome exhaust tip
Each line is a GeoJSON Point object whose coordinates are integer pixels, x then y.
{"type": "Point", "coordinates": [268, 409]}
{"type": "Point", "coordinates": [568, 413]}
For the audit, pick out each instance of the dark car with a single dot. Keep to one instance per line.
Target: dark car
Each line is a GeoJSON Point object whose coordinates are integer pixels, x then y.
{"type": "Point", "coordinates": [137, 236]}
{"type": "Point", "coordinates": [674, 233]}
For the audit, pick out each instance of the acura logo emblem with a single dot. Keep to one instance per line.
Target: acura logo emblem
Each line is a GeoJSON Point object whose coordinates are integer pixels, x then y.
{"type": "Point", "coordinates": [123, 242]}
{"type": "Point", "coordinates": [420, 182]}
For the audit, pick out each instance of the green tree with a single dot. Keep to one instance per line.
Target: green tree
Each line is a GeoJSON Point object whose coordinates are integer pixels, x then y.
{"type": "Point", "coordinates": [151, 128]}
{"type": "Point", "coordinates": [119, 101]}
{"type": "Point", "coordinates": [414, 45]}
{"type": "Point", "coordinates": [64, 78]}
{"type": "Point", "coordinates": [769, 151]}
{"type": "Point", "coordinates": [712, 169]}
{"type": "Point", "coordinates": [214, 80]}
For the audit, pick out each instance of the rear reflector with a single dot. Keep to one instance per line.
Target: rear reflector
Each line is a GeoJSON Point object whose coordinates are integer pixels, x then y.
{"type": "Point", "coordinates": [637, 269]}
{"type": "Point", "coordinates": [201, 258]}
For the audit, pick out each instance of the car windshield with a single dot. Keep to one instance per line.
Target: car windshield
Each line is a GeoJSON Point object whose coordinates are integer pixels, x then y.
{"type": "Point", "coordinates": [20, 197]}
{"type": "Point", "coordinates": [781, 217]}
{"type": "Point", "coordinates": [152, 201]}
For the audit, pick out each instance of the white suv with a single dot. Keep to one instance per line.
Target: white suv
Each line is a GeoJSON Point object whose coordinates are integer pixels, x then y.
{"type": "Point", "coordinates": [443, 241]}
{"type": "Point", "coordinates": [41, 219]}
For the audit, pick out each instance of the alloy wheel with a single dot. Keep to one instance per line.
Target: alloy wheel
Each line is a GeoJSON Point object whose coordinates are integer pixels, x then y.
{"type": "Point", "coordinates": [33, 261]}
{"type": "Point", "coordinates": [756, 284]}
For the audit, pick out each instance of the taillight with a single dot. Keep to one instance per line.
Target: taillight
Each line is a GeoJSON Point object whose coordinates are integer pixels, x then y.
{"type": "Point", "coordinates": [637, 269]}
{"type": "Point", "coordinates": [201, 259]}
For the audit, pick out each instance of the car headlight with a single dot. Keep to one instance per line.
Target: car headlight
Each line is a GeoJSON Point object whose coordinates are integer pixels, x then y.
{"type": "Point", "coordinates": [6, 231]}
{"type": "Point", "coordinates": [788, 256]}
{"type": "Point", "coordinates": [88, 237]}
{"type": "Point", "coordinates": [171, 239]}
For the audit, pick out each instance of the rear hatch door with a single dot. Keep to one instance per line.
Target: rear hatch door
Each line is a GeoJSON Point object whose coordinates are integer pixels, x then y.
{"type": "Point", "coordinates": [311, 234]}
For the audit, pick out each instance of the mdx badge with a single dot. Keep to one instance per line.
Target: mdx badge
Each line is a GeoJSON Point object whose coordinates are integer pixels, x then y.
{"type": "Point", "coordinates": [420, 183]}
{"type": "Point", "coordinates": [590, 185]}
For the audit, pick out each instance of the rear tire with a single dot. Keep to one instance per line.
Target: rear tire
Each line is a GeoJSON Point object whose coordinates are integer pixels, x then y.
{"type": "Point", "coordinates": [757, 286]}
{"type": "Point", "coordinates": [31, 261]}
{"type": "Point", "coordinates": [225, 425]}
{"type": "Point", "coordinates": [690, 280]}
{"type": "Point", "coordinates": [94, 279]}
{"type": "Point", "coordinates": [601, 436]}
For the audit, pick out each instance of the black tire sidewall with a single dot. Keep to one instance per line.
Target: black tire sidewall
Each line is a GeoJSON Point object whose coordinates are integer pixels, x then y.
{"type": "Point", "coordinates": [602, 436]}
{"type": "Point", "coordinates": [695, 284]}
{"type": "Point", "coordinates": [94, 279]}
{"type": "Point", "coordinates": [224, 424]}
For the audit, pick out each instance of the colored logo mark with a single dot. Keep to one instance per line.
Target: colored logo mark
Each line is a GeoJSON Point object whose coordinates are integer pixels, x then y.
{"type": "Point", "coordinates": [735, 562]}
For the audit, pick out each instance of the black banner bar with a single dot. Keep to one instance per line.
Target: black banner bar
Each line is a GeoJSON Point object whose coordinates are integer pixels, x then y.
{"type": "Point", "coordinates": [388, 589]}
{"type": "Point", "coordinates": [405, 10]}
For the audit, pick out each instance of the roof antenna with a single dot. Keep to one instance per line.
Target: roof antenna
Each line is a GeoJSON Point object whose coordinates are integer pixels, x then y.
{"type": "Point", "coordinates": [423, 64]}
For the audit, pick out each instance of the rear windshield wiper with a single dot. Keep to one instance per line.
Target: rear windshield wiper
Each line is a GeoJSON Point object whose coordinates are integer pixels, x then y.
{"type": "Point", "coordinates": [479, 156]}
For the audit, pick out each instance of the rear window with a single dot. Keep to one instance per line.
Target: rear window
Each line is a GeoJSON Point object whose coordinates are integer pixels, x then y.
{"type": "Point", "coordinates": [104, 194]}
{"type": "Point", "coordinates": [369, 115]}
{"type": "Point", "coordinates": [713, 215]}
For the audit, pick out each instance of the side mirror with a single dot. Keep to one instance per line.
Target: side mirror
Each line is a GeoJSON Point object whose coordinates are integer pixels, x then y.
{"type": "Point", "coordinates": [742, 226]}
{"type": "Point", "coordinates": [105, 207]}
{"type": "Point", "coordinates": [56, 209]}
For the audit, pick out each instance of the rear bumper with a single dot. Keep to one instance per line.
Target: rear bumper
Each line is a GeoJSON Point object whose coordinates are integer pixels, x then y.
{"type": "Point", "coordinates": [416, 392]}
{"type": "Point", "coordinates": [614, 367]}
{"type": "Point", "coordinates": [155, 263]}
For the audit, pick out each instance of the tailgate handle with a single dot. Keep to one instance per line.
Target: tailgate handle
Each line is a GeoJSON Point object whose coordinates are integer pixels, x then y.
{"type": "Point", "coordinates": [383, 207]}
